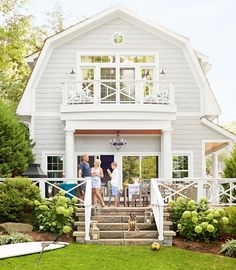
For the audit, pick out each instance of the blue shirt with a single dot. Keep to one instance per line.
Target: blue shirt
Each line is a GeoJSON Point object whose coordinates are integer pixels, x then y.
{"type": "Point", "coordinates": [85, 168]}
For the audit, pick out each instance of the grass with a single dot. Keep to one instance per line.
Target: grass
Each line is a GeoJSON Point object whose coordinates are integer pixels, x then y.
{"type": "Point", "coordinates": [119, 257]}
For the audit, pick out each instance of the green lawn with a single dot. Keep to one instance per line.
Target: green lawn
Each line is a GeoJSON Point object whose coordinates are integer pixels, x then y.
{"type": "Point", "coordinates": [119, 257]}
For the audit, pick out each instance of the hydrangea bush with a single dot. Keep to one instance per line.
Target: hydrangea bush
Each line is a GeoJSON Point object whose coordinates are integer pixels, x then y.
{"type": "Point", "coordinates": [195, 221]}
{"type": "Point", "coordinates": [55, 214]}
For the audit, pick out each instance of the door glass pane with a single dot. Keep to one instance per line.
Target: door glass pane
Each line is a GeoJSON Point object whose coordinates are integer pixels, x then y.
{"type": "Point", "coordinates": [149, 95]}
{"type": "Point", "coordinates": [87, 85]}
{"type": "Point", "coordinates": [131, 168]}
{"type": "Point", "coordinates": [127, 85]}
{"type": "Point", "coordinates": [108, 85]}
{"type": "Point", "coordinates": [149, 167]}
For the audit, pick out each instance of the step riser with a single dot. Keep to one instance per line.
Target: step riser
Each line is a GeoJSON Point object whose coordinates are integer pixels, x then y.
{"type": "Point", "coordinates": [124, 242]}
{"type": "Point", "coordinates": [119, 227]}
{"type": "Point", "coordinates": [128, 235]}
{"type": "Point", "coordinates": [115, 219]}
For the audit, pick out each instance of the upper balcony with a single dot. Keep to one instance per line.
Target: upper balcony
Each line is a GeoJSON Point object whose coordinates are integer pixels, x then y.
{"type": "Point", "coordinates": [117, 96]}
{"type": "Point", "coordinates": [118, 92]}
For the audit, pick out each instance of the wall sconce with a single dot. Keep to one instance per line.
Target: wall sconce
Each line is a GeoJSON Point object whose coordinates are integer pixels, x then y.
{"type": "Point", "coordinates": [72, 72]}
{"type": "Point", "coordinates": [162, 72]}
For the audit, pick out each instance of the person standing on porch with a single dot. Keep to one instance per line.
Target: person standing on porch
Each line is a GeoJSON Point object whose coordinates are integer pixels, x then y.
{"type": "Point", "coordinates": [84, 171]}
{"type": "Point", "coordinates": [115, 182]}
{"type": "Point", "coordinates": [97, 174]}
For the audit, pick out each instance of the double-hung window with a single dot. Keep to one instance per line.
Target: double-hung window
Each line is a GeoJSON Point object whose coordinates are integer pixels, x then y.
{"type": "Point", "coordinates": [181, 166]}
{"type": "Point", "coordinates": [55, 166]}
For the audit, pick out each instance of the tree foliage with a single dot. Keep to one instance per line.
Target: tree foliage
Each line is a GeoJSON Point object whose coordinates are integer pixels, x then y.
{"type": "Point", "coordinates": [19, 37]}
{"type": "Point", "coordinates": [230, 164]}
{"type": "Point", "coordinates": [15, 145]}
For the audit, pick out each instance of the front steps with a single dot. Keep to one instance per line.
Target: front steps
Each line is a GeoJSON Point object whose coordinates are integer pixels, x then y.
{"type": "Point", "coordinates": [113, 225]}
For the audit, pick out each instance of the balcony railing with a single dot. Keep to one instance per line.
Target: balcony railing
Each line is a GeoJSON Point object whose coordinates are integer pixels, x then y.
{"type": "Point", "coordinates": [118, 92]}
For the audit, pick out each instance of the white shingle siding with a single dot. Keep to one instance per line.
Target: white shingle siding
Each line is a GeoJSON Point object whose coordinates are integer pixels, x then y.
{"type": "Point", "coordinates": [188, 133]}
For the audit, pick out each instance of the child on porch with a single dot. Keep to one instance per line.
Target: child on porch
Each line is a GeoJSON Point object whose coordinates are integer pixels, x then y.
{"type": "Point", "coordinates": [115, 183]}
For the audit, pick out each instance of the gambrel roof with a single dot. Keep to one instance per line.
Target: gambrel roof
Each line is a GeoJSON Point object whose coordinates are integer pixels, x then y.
{"type": "Point", "coordinates": [209, 105]}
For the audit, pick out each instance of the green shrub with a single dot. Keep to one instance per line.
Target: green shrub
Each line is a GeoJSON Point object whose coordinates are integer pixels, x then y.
{"type": "Point", "coordinates": [195, 221]}
{"type": "Point", "coordinates": [229, 248]}
{"type": "Point", "coordinates": [15, 145]}
{"type": "Point", "coordinates": [16, 199]}
{"type": "Point", "coordinates": [55, 214]}
{"type": "Point", "coordinates": [231, 214]}
{"type": "Point", "coordinates": [14, 238]}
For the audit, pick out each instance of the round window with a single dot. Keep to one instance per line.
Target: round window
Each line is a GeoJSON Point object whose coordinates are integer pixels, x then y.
{"type": "Point", "coordinates": [117, 38]}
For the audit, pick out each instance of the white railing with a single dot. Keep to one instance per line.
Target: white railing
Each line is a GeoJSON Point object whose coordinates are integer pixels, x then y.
{"type": "Point", "coordinates": [157, 204]}
{"type": "Point", "coordinates": [218, 192]}
{"type": "Point", "coordinates": [118, 91]}
{"type": "Point", "coordinates": [48, 186]}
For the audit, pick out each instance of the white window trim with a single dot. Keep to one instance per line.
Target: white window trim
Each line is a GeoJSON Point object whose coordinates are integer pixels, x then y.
{"type": "Point", "coordinates": [190, 160]}
{"type": "Point", "coordinates": [45, 154]}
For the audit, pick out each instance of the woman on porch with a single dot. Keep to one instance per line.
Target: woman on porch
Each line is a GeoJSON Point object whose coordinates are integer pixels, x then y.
{"type": "Point", "coordinates": [97, 174]}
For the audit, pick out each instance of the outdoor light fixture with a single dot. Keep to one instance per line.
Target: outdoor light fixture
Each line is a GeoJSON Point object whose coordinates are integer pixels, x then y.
{"type": "Point", "coordinates": [117, 142]}
{"type": "Point", "coordinates": [72, 72]}
{"type": "Point", "coordinates": [162, 72]}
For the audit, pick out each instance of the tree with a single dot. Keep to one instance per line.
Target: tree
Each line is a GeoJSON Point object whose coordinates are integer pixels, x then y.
{"type": "Point", "coordinates": [15, 145]}
{"type": "Point", "coordinates": [19, 38]}
{"type": "Point", "coordinates": [230, 164]}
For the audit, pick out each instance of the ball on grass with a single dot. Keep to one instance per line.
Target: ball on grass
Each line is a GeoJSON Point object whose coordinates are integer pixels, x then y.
{"type": "Point", "coordinates": [155, 246]}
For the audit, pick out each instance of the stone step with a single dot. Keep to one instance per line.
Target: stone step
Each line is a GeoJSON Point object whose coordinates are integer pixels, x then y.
{"type": "Point", "coordinates": [122, 226]}
{"type": "Point", "coordinates": [116, 226]}
{"type": "Point", "coordinates": [128, 234]}
{"type": "Point", "coordinates": [124, 242]}
{"type": "Point", "coordinates": [117, 218]}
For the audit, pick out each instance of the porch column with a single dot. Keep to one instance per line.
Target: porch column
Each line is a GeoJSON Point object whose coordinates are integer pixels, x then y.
{"type": "Point", "coordinates": [69, 144]}
{"type": "Point", "coordinates": [215, 171]}
{"type": "Point", "coordinates": [215, 174]}
{"type": "Point", "coordinates": [166, 154]}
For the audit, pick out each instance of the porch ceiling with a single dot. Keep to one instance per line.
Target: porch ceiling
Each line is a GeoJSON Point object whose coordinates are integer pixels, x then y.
{"type": "Point", "coordinates": [214, 146]}
{"type": "Point", "coordinates": [106, 131]}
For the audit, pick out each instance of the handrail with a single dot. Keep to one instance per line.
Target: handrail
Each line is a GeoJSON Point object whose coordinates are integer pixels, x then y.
{"type": "Point", "coordinates": [157, 204]}
{"type": "Point", "coordinates": [88, 206]}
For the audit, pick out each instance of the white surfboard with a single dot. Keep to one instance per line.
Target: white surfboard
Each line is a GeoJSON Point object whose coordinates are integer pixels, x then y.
{"type": "Point", "coordinates": [13, 250]}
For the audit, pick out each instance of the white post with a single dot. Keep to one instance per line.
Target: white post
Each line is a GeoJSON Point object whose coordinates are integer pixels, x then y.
{"type": "Point", "coordinates": [88, 206]}
{"type": "Point", "coordinates": [215, 175]}
{"type": "Point", "coordinates": [69, 143]}
{"type": "Point", "coordinates": [166, 155]}
{"type": "Point", "coordinates": [42, 188]}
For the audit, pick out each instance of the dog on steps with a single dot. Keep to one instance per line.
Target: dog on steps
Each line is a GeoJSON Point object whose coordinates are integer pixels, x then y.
{"type": "Point", "coordinates": [132, 223]}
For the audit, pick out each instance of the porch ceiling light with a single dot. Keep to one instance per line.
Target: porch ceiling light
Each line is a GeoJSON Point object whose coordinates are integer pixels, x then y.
{"type": "Point", "coordinates": [117, 142]}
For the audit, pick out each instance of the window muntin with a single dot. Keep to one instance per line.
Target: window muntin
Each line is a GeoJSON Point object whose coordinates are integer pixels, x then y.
{"type": "Point", "coordinates": [55, 166]}
{"type": "Point", "coordinates": [118, 38]}
{"type": "Point", "coordinates": [180, 166]}
{"type": "Point", "coordinates": [137, 59]}
{"type": "Point", "coordinates": [98, 59]}
{"type": "Point", "coordinates": [141, 167]}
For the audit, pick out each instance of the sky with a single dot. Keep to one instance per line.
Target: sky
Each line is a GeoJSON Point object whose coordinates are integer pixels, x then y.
{"type": "Point", "coordinates": [210, 25]}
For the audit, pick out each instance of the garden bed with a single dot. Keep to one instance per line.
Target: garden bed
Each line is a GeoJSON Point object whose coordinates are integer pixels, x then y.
{"type": "Point", "coordinates": [47, 236]}
{"type": "Point", "coordinates": [196, 246]}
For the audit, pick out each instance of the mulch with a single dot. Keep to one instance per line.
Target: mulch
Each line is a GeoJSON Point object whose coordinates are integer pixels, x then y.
{"type": "Point", "coordinates": [47, 236]}
{"type": "Point", "coordinates": [211, 247]}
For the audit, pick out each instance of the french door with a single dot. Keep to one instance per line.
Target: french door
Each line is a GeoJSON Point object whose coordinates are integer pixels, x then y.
{"type": "Point", "coordinates": [117, 84]}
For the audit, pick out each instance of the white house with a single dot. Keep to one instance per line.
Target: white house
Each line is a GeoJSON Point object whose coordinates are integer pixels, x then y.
{"type": "Point", "coordinates": [117, 74]}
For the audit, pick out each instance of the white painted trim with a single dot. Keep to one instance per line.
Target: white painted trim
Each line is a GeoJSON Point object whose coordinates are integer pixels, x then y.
{"type": "Point", "coordinates": [190, 154]}
{"type": "Point", "coordinates": [188, 114]}
{"type": "Point", "coordinates": [219, 129]}
{"type": "Point", "coordinates": [45, 154]}
{"type": "Point", "coordinates": [32, 57]}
